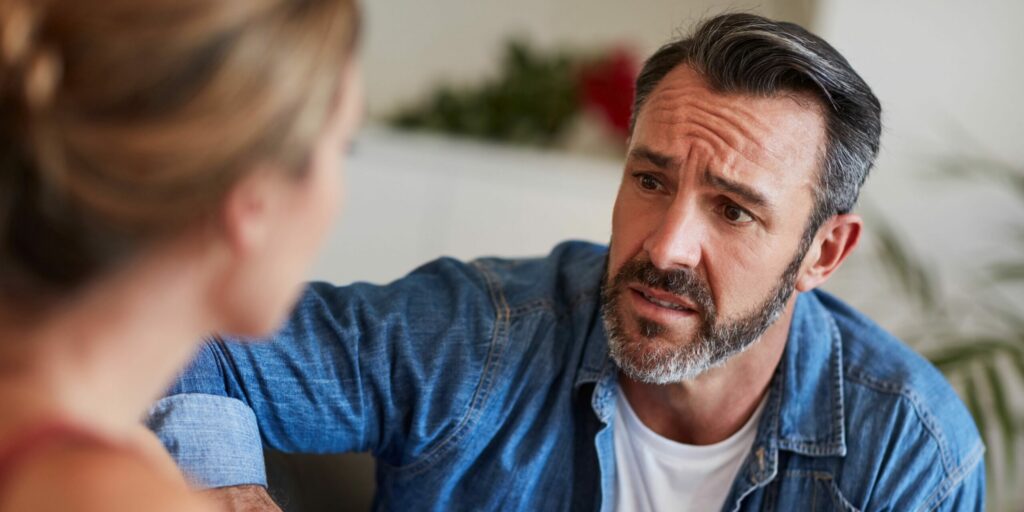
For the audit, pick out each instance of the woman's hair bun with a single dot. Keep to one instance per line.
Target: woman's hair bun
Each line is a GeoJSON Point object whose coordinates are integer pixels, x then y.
{"type": "Point", "coordinates": [124, 121]}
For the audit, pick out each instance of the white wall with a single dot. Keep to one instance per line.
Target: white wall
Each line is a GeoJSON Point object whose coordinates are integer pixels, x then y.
{"type": "Point", "coordinates": [412, 198]}
{"type": "Point", "coordinates": [938, 65]}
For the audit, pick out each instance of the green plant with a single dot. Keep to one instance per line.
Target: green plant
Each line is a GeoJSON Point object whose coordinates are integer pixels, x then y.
{"type": "Point", "coordinates": [530, 102]}
{"type": "Point", "coordinates": [534, 98]}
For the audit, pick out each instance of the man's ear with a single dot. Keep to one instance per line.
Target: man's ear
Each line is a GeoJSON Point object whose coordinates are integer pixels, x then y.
{"type": "Point", "coordinates": [834, 241]}
{"type": "Point", "coordinates": [246, 213]}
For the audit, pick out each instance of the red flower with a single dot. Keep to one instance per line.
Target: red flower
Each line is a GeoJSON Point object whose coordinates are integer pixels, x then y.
{"type": "Point", "coordinates": [607, 87]}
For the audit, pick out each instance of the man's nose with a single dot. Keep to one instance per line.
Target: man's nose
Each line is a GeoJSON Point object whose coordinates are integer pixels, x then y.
{"type": "Point", "coordinates": [676, 242]}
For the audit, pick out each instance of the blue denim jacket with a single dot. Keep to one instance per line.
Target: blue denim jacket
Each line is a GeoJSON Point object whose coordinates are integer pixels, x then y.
{"type": "Point", "coordinates": [488, 386]}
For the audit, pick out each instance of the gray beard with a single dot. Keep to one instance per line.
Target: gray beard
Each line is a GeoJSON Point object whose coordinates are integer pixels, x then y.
{"type": "Point", "coordinates": [716, 342]}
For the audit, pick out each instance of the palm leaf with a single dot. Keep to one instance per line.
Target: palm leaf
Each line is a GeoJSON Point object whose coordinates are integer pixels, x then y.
{"type": "Point", "coordinates": [1007, 272]}
{"type": "Point", "coordinates": [973, 402]}
{"type": "Point", "coordinates": [1012, 318]}
{"type": "Point", "coordinates": [969, 350]}
{"type": "Point", "coordinates": [999, 172]}
{"type": "Point", "coordinates": [905, 267]}
{"type": "Point", "coordinates": [1004, 417]}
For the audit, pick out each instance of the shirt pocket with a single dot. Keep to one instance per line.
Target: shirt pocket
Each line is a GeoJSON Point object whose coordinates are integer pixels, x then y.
{"type": "Point", "coordinates": [811, 491]}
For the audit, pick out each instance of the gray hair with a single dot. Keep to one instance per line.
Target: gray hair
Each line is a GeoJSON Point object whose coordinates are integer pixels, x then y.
{"type": "Point", "coordinates": [749, 54]}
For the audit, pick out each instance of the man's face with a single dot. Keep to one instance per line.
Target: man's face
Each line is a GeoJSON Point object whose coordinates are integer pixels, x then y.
{"type": "Point", "coordinates": [707, 226]}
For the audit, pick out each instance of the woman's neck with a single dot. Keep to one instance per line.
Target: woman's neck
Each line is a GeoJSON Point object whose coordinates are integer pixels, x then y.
{"type": "Point", "coordinates": [102, 358]}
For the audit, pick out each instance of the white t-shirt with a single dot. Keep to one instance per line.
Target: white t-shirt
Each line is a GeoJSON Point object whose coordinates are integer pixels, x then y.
{"type": "Point", "coordinates": [655, 473]}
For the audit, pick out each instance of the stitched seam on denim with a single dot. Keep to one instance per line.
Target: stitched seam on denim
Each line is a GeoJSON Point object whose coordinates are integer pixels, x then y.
{"type": "Point", "coordinates": [950, 484]}
{"type": "Point", "coordinates": [838, 400]}
{"type": "Point", "coordinates": [812, 449]}
{"type": "Point", "coordinates": [828, 480]}
{"type": "Point", "coordinates": [923, 414]}
{"type": "Point", "coordinates": [836, 436]}
{"type": "Point", "coordinates": [761, 477]}
{"type": "Point", "coordinates": [483, 390]}
{"type": "Point", "coordinates": [838, 498]}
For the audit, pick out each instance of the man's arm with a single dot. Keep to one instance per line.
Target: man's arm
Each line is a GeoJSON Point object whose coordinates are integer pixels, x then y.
{"type": "Point", "coordinates": [356, 368]}
{"type": "Point", "coordinates": [243, 498]}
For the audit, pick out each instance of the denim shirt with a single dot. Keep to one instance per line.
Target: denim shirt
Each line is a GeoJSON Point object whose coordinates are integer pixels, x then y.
{"type": "Point", "coordinates": [488, 386]}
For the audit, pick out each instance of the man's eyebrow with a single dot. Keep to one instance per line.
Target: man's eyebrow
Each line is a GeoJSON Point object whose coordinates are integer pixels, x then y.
{"type": "Point", "coordinates": [746, 192]}
{"type": "Point", "coordinates": [660, 160]}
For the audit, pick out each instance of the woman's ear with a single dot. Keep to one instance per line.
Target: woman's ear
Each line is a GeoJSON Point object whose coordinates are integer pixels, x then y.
{"type": "Point", "coordinates": [834, 241]}
{"type": "Point", "coordinates": [247, 212]}
{"type": "Point", "coordinates": [249, 229]}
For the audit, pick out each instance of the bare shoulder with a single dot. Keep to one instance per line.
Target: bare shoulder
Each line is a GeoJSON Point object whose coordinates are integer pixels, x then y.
{"type": "Point", "coordinates": [96, 478]}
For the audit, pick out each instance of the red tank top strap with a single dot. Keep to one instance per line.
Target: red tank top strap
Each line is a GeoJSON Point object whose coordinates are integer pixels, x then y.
{"type": "Point", "coordinates": [19, 449]}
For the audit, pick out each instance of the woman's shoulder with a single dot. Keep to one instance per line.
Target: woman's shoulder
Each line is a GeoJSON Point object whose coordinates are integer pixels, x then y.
{"type": "Point", "coordinates": [95, 477]}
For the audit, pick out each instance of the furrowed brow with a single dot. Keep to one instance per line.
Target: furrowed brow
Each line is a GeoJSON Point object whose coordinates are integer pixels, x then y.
{"type": "Point", "coordinates": [745, 192]}
{"type": "Point", "coordinates": [659, 160]}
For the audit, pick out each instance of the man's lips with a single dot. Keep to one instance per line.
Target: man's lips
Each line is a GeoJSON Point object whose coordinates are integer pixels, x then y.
{"type": "Point", "coordinates": [664, 299]}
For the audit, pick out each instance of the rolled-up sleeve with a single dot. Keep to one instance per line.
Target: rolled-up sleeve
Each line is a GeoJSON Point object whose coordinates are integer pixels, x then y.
{"type": "Point", "coordinates": [214, 439]}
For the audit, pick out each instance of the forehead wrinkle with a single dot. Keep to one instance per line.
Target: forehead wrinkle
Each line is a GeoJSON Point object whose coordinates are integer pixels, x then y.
{"type": "Point", "coordinates": [722, 155]}
{"type": "Point", "coordinates": [721, 163]}
{"type": "Point", "coordinates": [738, 137]}
{"type": "Point", "coordinates": [748, 129]}
{"type": "Point", "coordinates": [684, 86]}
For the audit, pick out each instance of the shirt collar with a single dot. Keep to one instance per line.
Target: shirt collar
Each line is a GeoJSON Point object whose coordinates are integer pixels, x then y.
{"type": "Point", "coordinates": [809, 383]}
{"type": "Point", "coordinates": [805, 412]}
{"type": "Point", "coordinates": [596, 357]}
{"type": "Point", "coordinates": [804, 409]}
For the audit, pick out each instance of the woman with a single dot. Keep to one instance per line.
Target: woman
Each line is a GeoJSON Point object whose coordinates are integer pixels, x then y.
{"type": "Point", "coordinates": [167, 169]}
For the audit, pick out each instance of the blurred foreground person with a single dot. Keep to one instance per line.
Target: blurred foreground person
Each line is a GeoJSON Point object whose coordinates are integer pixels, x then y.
{"type": "Point", "coordinates": [690, 365]}
{"type": "Point", "coordinates": [156, 159]}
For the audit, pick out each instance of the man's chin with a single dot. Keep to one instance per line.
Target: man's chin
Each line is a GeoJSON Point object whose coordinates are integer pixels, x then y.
{"type": "Point", "coordinates": [661, 335]}
{"type": "Point", "coordinates": [657, 361]}
{"type": "Point", "coordinates": [659, 374]}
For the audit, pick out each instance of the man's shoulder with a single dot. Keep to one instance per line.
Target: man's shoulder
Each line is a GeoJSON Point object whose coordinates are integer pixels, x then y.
{"type": "Point", "coordinates": [569, 275]}
{"type": "Point", "coordinates": [572, 271]}
{"type": "Point", "coordinates": [891, 390]}
{"type": "Point", "coordinates": [874, 353]}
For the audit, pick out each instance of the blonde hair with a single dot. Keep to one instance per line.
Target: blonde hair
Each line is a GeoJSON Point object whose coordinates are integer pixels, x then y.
{"type": "Point", "coordinates": [122, 121]}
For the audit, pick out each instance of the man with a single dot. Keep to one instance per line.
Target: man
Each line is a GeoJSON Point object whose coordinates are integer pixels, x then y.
{"type": "Point", "coordinates": [691, 365]}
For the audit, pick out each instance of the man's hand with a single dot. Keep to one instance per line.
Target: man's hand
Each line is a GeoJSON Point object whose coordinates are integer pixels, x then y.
{"type": "Point", "coordinates": [243, 498]}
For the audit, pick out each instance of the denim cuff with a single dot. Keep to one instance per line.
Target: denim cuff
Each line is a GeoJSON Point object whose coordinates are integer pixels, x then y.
{"type": "Point", "coordinates": [214, 439]}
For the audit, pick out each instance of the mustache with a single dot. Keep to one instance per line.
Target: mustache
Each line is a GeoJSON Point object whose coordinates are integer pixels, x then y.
{"type": "Point", "coordinates": [681, 282]}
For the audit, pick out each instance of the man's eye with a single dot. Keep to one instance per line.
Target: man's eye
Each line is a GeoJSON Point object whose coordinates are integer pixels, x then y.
{"type": "Point", "coordinates": [736, 215]}
{"type": "Point", "coordinates": [648, 182]}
